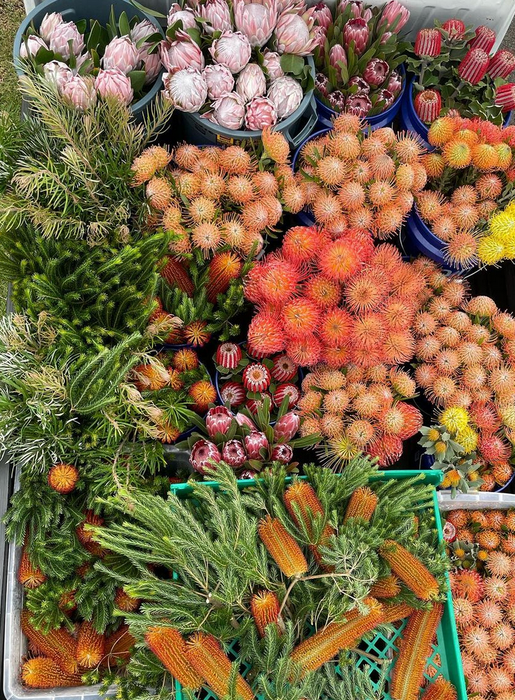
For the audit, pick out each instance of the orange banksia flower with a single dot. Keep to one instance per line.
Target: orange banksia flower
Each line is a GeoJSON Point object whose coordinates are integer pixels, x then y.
{"type": "Point", "coordinates": [42, 672]}
{"type": "Point", "coordinates": [223, 269]}
{"type": "Point", "coordinates": [125, 602]}
{"type": "Point", "coordinates": [410, 570]}
{"type": "Point", "coordinates": [90, 646]}
{"type": "Point", "coordinates": [396, 612]}
{"type": "Point", "coordinates": [29, 575]}
{"type": "Point", "coordinates": [63, 478]}
{"type": "Point", "coordinates": [195, 333]}
{"type": "Point", "coordinates": [281, 546]}
{"type": "Point", "coordinates": [440, 689]}
{"type": "Point", "coordinates": [118, 646]}
{"type": "Point", "coordinates": [265, 610]}
{"type": "Point", "coordinates": [58, 644]}
{"type": "Point", "coordinates": [362, 504]}
{"type": "Point", "coordinates": [386, 587]}
{"type": "Point", "coordinates": [170, 648]}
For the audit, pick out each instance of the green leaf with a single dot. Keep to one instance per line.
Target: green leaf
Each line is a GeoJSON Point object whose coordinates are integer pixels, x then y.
{"type": "Point", "coordinates": [137, 78]}
{"type": "Point", "coordinates": [43, 56]}
{"type": "Point", "coordinates": [290, 63]}
{"type": "Point", "coordinates": [146, 10]}
{"type": "Point", "coordinates": [150, 39]}
{"type": "Point", "coordinates": [195, 35]}
{"type": "Point", "coordinates": [82, 25]}
{"type": "Point", "coordinates": [123, 24]}
{"type": "Point", "coordinates": [94, 35]}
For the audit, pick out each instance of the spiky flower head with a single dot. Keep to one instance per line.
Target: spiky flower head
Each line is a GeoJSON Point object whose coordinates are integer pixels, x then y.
{"type": "Point", "coordinates": [63, 478]}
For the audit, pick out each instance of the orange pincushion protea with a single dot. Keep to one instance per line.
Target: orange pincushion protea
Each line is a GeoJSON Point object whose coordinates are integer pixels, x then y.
{"type": "Point", "coordinates": [410, 570]}
{"type": "Point", "coordinates": [282, 547]}
{"type": "Point", "coordinates": [203, 393]}
{"type": "Point", "coordinates": [29, 576]}
{"type": "Point", "coordinates": [43, 672]}
{"type": "Point", "coordinates": [265, 610]}
{"type": "Point", "coordinates": [170, 648]}
{"type": "Point", "coordinates": [58, 644]}
{"type": "Point", "coordinates": [362, 504]}
{"type": "Point", "coordinates": [90, 646]}
{"type": "Point", "coordinates": [63, 478]}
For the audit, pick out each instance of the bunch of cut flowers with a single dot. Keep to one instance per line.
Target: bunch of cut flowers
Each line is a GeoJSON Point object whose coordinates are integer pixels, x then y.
{"type": "Point", "coordinates": [118, 61]}
{"type": "Point", "coordinates": [357, 55]}
{"type": "Point", "coordinates": [454, 71]}
{"type": "Point", "coordinates": [362, 180]}
{"type": "Point", "coordinates": [241, 65]}
{"type": "Point", "coordinates": [470, 181]}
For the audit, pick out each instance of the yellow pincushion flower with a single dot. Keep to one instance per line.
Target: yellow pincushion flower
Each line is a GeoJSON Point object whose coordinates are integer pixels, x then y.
{"type": "Point", "coordinates": [490, 250]}
{"type": "Point", "coordinates": [433, 434]}
{"type": "Point", "coordinates": [510, 209]}
{"type": "Point", "coordinates": [507, 414]}
{"type": "Point", "coordinates": [468, 439]}
{"type": "Point", "coordinates": [454, 419]}
{"type": "Point", "coordinates": [502, 225]}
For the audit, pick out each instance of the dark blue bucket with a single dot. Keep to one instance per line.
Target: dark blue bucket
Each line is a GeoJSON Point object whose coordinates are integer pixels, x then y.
{"type": "Point", "coordinates": [420, 239]}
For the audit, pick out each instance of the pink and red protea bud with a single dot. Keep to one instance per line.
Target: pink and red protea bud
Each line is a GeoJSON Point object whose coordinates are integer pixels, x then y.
{"type": "Point", "coordinates": [474, 65]}
{"type": "Point", "coordinates": [219, 80]}
{"type": "Point", "coordinates": [376, 71]}
{"type": "Point", "coordinates": [242, 420]}
{"type": "Point", "coordinates": [358, 104]}
{"type": "Point", "coordinates": [385, 37]}
{"type": "Point", "coordinates": [286, 427]}
{"type": "Point", "coordinates": [284, 369]}
{"type": "Point", "coordinates": [455, 28]}
{"type": "Point", "coordinates": [322, 84]}
{"type": "Point", "coordinates": [228, 355]}
{"type": "Point", "coordinates": [428, 43]}
{"type": "Point", "coordinates": [505, 97]}
{"type": "Point", "coordinates": [80, 93]}
{"type": "Point", "coordinates": [428, 105]}
{"type": "Point", "coordinates": [484, 39]}
{"type": "Point", "coordinates": [121, 53]}
{"type": "Point", "coordinates": [282, 454]}
{"type": "Point", "coordinates": [62, 35]}
{"type": "Point", "coordinates": [217, 14]}
{"type": "Point", "coordinates": [357, 31]}
{"type": "Point", "coordinates": [386, 97]}
{"type": "Point", "coordinates": [234, 454]}
{"type": "Point", "coordinates": [186, 89]}
{"type": "Point", "coordinates": [231, 50]}
{"type": "Point", "coordinates": [255, 404]}
{"type": "Point", "coordinates": [501, 64]}
{"type": "Point", "coordinates": [286, 94]}
{"type": "Point", "coordinates": [337, 100]}
{"type": "Point", "coordinates": [203, 453]}
{"type": "Point", "coordinates": [256, 377]}
{"type": "Point", "coordinates": [151, 65]}
{"type": "Point", "coordinates": [113, 83]}
{"type": "Point", "coordinates": [255, 20]}
{"type": "Point", "coordinates": [337, 54]}
{"type": "Point", "coordinates": [356, 7]}
{"type": "Point", "coordinates": [31, 45]}
{"type": "Point", "coordinates": [181, 53]}
{"type": "Point", "coordinates": [360, 83]}
{"type": "Point", "coordinates": [186, 16]}
{"type": "Point", "coordinates": [229, 111]}
{"type": "Point", "coordinates": [395, 83]}
{"type": "Point", "coordinates": [320, 35]}
{"type": "Point", "coordinates": [272, 65]}
{"type": "Point", "coordinates": [395, 15]}
{"type": "Point", "coordinates": [290, 390]}
{"type": "Point", "coordinates": [251, 82]}
{"type": "Point", "coordinates": [248, 474]}
{"type": "Point", "coordinates": [294, 32]}
{"type": "Point", "coordinates": [260, 113]}
{"type": "Point", "coordinates": [218, 420]}
{"type": "Point", "coordinates": [254, 443]}
{"type": "Point", "coordinates": [322, 15]}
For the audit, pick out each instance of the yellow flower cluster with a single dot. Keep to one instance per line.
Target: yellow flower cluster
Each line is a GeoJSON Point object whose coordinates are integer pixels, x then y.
{"type": "Point", "coordinates": [500, 243]}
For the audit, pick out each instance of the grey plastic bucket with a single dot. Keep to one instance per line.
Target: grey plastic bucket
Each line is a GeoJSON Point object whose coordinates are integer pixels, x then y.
{"type": "Point", "coordinates": [73, 11]}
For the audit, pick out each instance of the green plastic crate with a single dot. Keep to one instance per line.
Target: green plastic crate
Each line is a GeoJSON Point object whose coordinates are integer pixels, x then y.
{"type": "Point", "coordinates": [445, 658]}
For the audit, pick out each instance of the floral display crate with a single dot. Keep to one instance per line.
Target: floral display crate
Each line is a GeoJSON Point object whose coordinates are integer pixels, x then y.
{"type": "Point", "coordinates": [445, 658]}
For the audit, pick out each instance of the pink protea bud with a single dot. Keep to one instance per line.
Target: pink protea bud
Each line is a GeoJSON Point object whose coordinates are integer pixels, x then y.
{"type": "Point", "coordinates": [256, 377]}
{"type": "Point", "coordinates": [395, 15]}
{"type": "Point", "coordinates": [356, 7]}
{"type": "Point", "coordinates": [60, 39]}
{"type": "Point", "coordinates": [255, 404]}
{"type": "Point", "coordinates": [228, 355]}
{"type": "Point", "coordinates": [395, 83]}
{"type": "Point", "coordinates": [217, 14]}
{"type": "Point", "coordinates": [386, 97]}
{"type": "Point", "coordinates": [272, 65]}
{"type": "Point", "coordinates": [255, 442]}
{"type": "Point", "coordinates": [286, 95]}
{"type": "Point", "coordinates": [376, 71]}
{"type": "Point", "coordinates": [428, 43]}
{"type": "Point", "coordinates": [186, 16]}
{"type": "Point", "coordinates": [57, 72]}
{"type": "Point", "coordinates": [367, 14]}
{"type": "Point", "coordinates": [484, 39]}
{"type": "Point", "coordinates": [385, 37]}
{"type": "Point", "coordinates": [121, 53]}
{"type": "Point", "coordinates": [505, 97]}
{"type": "Point", "coordinates": [356, 30]}
{"type": "Point", "coordinates": [428, 105]}
{"type": "Point", "coordinates": [181, 53]}
{"type": "Point", "coordinates": [337, 100]}
{"type": "Point", "coordinates": [501, 64]}
{"type": "Point", "coordinates": [202, 453]}
{"type": "Point", "coordinates": [256, 20]}
{"type": "Point", "coordinates": [80, 93]}
{"type": "Point", "coordinates": [284, 369]}
{"type": "Point", "coordinates": [337, 54]}
{"type": "Point", "coordinates": [151, 65]}
{"type": "Point", "coordinates": [31, 45]}
{"type": "Point", "coordinates": [260, 113]}
{"type": "Point", "coordinates": [282, 454]}
{"type": "Point", "coordinates": [358, 104]}
{"type": "Point", "coordinates": [232, 50]}
{"type": "Point", "coordinates": [251, 82]}
{"type": "Point", "coordinates": [142, 30]}
{"type": "Point", "coordinates": [289, 390]}
{"type": "Point", "coordinates": [233, 393]}
{"type": "Point", "coordinates": [48, 25]}
{"type": "Point", "coordinates": [186, 89]}
{"type": "Point", "coordinates": [286, 427]}
{"type": "Point", "coordinates": [218, 420]}
{"type": "Point", "coordinates": [242, 419]}
{"type": "Point", "coordinates": [474, 65]}
{"type": "Point", "coordinates": [248, 474]}
{"type": "Point", "coordinates": [233, 453]}
{"type": "Point", "coordinates": [455, 29]}
{"type": "Point", "coordinates": [114, 83]}
{"type": "Point", "coordinates": [320, 36]}
{"type": "Point", "coordinates": [293, 33]}
{"type": "Point", "coordinates": [219, 80]}
{"type": "Point", "coordinates": [360, 83]}
{"type": "Point", "coordinates": [322, 15]}
{"type": "Point", "coordinates": [229, 111]}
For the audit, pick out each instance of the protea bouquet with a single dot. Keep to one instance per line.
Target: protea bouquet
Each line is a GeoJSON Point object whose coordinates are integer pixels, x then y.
{"type": "Point", "coordinates": [454, 70]}
{"type": "Point", "coordinates": [87, 63]}
{"type": "Point", "coordinates": [241, 68]}
{"type": "Point", "coordinates": [470, 176]}
{"type": "Point", "coordinates": [358, 54]}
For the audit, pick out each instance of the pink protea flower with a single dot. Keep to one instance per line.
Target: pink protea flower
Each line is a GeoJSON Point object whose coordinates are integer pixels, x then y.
{"type": "Point", "coordinates": [484, 39]}
{"type": "Point", "coordinates": [290, 390]}
{"type": "Point", "coordinates": [151, 65]}
{"type": "Point", "coordinates": [505, 97]}
{"type": "Point", "coordinates": [251, 82]}
{"type": "Point", "coordinates": [218, 420]}
{"type": "Point", "coordinates": [260, 113]}
{"type": "Point", "coordinates": [31, 45]}
{"type": "Point", "coordinates": [219, 80]}
{"type": "Point", "coordinates": [181, 53]}
{"type": "Point", "coordinates": [228, 355]}
{"type": "Point", "coordinates": [395, 15]}
{"type": "Point", "coordinates": [501, 64]}
{"type": "Point", "coordinates": [60, 39]}
{"type": "Point", "coordinates": [356, 30]}
{"type": "Point", "coordinates": [293, 32]}
{"type": "Point", "coordinates": [186, 16]}
{"type": "Point", "coordinates": [286, 427]}
{"type": "Point", "coordinates": [232, 50]}
{"type": "Point", "coordinates": [229, 111]}
{"type": "Point", "coordinates": [320, 36]}
{"type": "Point", "coordinates": [255, 20]}
{"type": "Point", "coordinates": [121, 53]}
{"type": "Point", "coordinates": [356, 7]}
{"type": "Point", "coordinates": [80, 93]}
{"type": "Point", "coordinates": [337, 54]}
{"type": "Point", "coordinates": [58, 73]}
{"type": "Point", "coordinates": [358, 104]}
{"type": "Point", "coordinates": [256, 377]}
{"type": "Point", "coordinates": [142, 30]}
{"type": "Point", "coordinates": [233, 393]}
{"type": "Point", "coordinates": [395, 83]}
{"type": "Point", "coordinates": [114, 83]}
{"type": "Point", "coordinates": [322, 15]}
{"type": "Point", "coordinates": [387, 97]}
{"type": "Point", "coordinates": [48, 25]}
{"type": "Point", "coordinates": [242, 419]}
{"type": "Point", "coordinates": [286, 95]}
{"type": "Point", "coordinates": [428, 43]}
{"type": "Point", "coordinates": [202, 453]}
{"type": "Point", "coordinates": [272, 65]}
{"type": "Point", "coordinates": [360, 83]}
{"type": "Point", "coordinates": [233, 453]}
{"type": "Point", "coordinates": [474, 65]}
{"type": "Point", "coordinates": [428, 105]}
{"type": "Point", "coordinates": [186, 89]}
{"type": "Point", "coordinates": [455, 28]}
{"type": "Point", "coordinates": [282, 454]}
{"type": "Point", "coordinates": [284, 369]}
{"type": "Point", "coordinates": [217, 14]}
{"type": "Point", "coordinates": [376, 71]}
{"type": "Point", "coordinates": [254, 443]}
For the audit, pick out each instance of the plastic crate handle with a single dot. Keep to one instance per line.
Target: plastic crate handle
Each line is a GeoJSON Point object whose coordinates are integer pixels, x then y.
{"type": "Point", "coordinates": [308, 127]}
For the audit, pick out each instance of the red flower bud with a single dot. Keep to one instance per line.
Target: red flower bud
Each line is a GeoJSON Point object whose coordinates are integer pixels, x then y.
{"type": "Point", "coordinates": [228, 355]}
{"type": "Point", "coordinates": [505, 97]}
{"type": "Point", "coordinates": [455, 28]}
{"type": "Point", "coordinates": [501, 64]}
{"type": "Point", "coordinates": [484, 39]}
{"type": "Point", "coordinates": [255, 442]}
{"type": "Point", "coordinates": [474, 66]}
{"type": "Point", "coordinates": [428, 104]}
{"type": "Point", "coordinates": [356, 30]}
{"type": "Point", "coordinates": [428, 43]}
{"type": "Point", "coordinates": [282, 453]}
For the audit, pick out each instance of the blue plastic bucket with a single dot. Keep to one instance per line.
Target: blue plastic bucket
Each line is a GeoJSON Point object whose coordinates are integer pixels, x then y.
{"type": "Point", "coordinates": [326, 114]}
{"type": "Point", "coordinates": [421, 240]}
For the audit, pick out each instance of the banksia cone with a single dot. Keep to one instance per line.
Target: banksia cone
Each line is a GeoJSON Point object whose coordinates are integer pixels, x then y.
{"type": "Point", "coordinates": [501, 64]}
{"type": "Point", "coordinates": [414, 649]}
{"type": "Point", "coordinates": [428, 105]}
{"type": "Point", "coordinates": [125, 602]}
{"type": "Point", "coordinates": [223, 269]}
{"type": "Point", "coordinates": [265, 610]}
{"type": "Point", "coordinates": [29, 575]}
{"type": "Point", "coordinates": [386, 587]}
{"type": "Point", "coordinates": [175, 274]}
{"type": "Point", "coordinates": [58, 644]}
{"type": "Point", "coordinates": [505, 97]}
{"type": "Point", "coordinates": [170, 648]}
{"type": "Point", "coordinates": [474, 65]}
{"type": "Point", "coordinates": [206, 656]}
{"type": "Point", "coordinates": [282, 547]}
{"type": "Point", "coordinates": [43, 672]}
{"type": "Point", "coordinates": [63, 478]}
{"type": "Point", "coordinates": [440, 689]}
{"type": "Point", "coordinates": [410, 570]}
{"type": "Point", "coordinates": [303, 504]}
{"type": "Point", "coordinates": [90, 646]}
{"type": "Point", "coordinates": [323, 646]}
{"type": "Point", "coordinates": [484, 39]}
{"type": "Point", "coordinates": [428, 43]}
{"type": "Point", "coordinates": [118, 646]}
{"type": "Point", "coordinates": [361, 504]}
{"type": "Point", "coordinates": [394, 613]}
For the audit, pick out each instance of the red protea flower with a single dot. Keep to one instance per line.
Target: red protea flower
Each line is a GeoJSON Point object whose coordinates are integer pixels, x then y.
{"type": "Point", "coordinates": [484, 39]}
{"type": "Point", "coordinates": [505, 97]}
{"type": "Point", "coordinates": [300, 316]}
{"type": "Point", "coordinates": [254, 443]}
{"type": "Point", "coordinates": [63, 478]}
{"type": "Point", "coordinates": [356, 31]}
{"type": "Point", "coordinates": [228, 355]}
{"type": "Point", "coordinates": [474, 65]}
{"type": "Point", "coordinates": [386, 448]}
{"type": "Point", "coordinates": [428, 105]}
{"type": "Point", "coordinates": [282, 454]}
{"type": "Point", "coordinates": [306, 351]}
{"type": "Point", "coordinates": [501, 64]}
{"type": "Point", "coordinates": [233, 453]}
{"type": "Point", "coordinates": [218, 420]}
{"type": "Point", "coordinates": [428, 43]}
{"type": "Point", "coordinates": [255, 404]}
{"type": "Point", "coordinates": [455, 28]}
{"type": "Point", "coordinates": [265, 334]}
{"type": "Point", "coordinates": [233, 393]}
{"type": "Point", "coordinates": [256, 377]}
{"type": "Point", "coordinates": [289, 390]}
{"type": "Point", "coordinates": [340, 259]}
{"type": "Point", "coordinates": [286, 427]}
{"type": "Point", "coordinates": [284, 369]}
{"type": "Point", "coordinates": [202, 453]}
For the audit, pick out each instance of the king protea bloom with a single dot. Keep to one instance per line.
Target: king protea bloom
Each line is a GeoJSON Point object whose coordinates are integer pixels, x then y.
{"type": "Point", "coordinates": [251, 82]}
{"type": "Point", "coordinates": [428, 104]}
{"type": "Point", "coordinates": [219, 80]}
{"type": "Point", "coordinates": [181, 53]}
{"type": "Point", "coordinates": [48, 24]}
{"type": "Point", "coordinates": [186, 16]}
{"type": "Point", "coordinates": [428, 43]}
{"type": "Point", "coordinates": [31, 45]}
{"type": "Point", "coordinates": [186, 89]}
{"type": "Point", "coordinates": [260, 113]}
{"type": "Point", "coordinates": [357, 31]}
{"type": "Point", "coordinates": [395, 15]}
{"type": "Point", "coordinates": [80, 93]}
{"type": "Point", "coordinates": [505, 97]}
{"type": "Point", "coordinates": [293, 33]}
{"type": "Point", "coordinates": [232, 50]}
{"type": "Point", "coordinates": [286, 94]}
{"type": "Point", "coordinates": [121, 53]}
{"type": "Point", "coordinates": [58, 73]}
{"type": "Point", "coordinates": [217, 14]}
{"type": "Point", "coordinates": [229, 111]}
{"type": "Point", "coordinates": [114, 83]}
{"type": "Point", "coordinates": [501, 64]}
{"type": "Point", "coordinates": [272, 65]}
{"type": "Point", "coordinates": [256, 20]}
{"type": "Point", "coordinates": [474, 65]}
{"type": "Point", "coordinates": [60, 39]}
